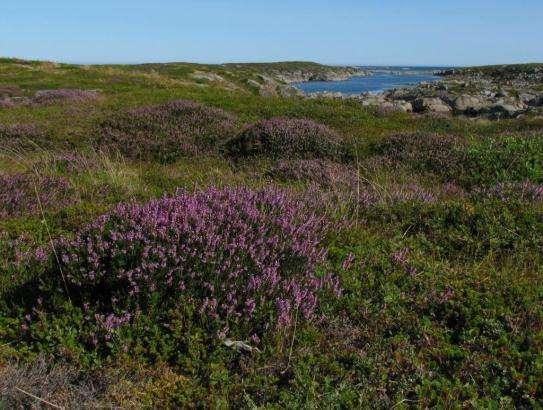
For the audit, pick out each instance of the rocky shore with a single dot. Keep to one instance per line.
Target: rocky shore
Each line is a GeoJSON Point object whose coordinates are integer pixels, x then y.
{"type": "Point", "coordinates": [277, 79]}
{"type": "Point", "coordinates": [327, 74]}
{"type": "Point", "coordinates": [489, 92]}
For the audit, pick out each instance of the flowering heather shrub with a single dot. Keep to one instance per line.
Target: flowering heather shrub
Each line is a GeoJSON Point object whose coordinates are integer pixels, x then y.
{"type": "Point", "coordinates": [287, 138]}
{"type": "Point", "coordinates": [22, 194]}
{"type": "Point", "coordinates": [7, 102]}
{"type": "Point", "coordinates": [238, 256]}
{"type": "Point", "coordinates": [425, 152]}
{"type": "Point", "coordinates": [169, 131]}
{"type": "Point", "coordinates": [6, 94]}
{"type": "Point", "coordinates": [320, 171]}
{"type": "Point", "coordinates": [61, 96]}
{"type": "Point", "coordinates": [20, 136]}
{"type": "Point", "coordinates": [523, 191]}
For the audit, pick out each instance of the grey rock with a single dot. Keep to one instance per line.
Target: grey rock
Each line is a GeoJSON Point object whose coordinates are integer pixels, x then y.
{"type": "Point", "coordinates": [507, 108]}
{"type": "Point", "coordinates": [532, 99]}
{"type": "Point", "coordinates": [436, 105]}
{"type": "Point", "coordinates": [403, 106]}
{"type": "Point", "coordinates": [240, 346]}
{"type": "Point", "coordinates": [469, 104]}
{"type": "Point", "coordinates": [372, 100]}
{"type": "Point", "coordinates": [395, 106]}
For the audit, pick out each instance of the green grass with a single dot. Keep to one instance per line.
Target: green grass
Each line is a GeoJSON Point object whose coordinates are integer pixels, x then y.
{"type": "Point", "coordinates": [456, 321]}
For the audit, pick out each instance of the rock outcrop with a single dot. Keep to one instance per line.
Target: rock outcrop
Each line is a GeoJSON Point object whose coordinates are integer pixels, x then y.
{"type": "Point", "coordinates": [493, 93]}
{"type": "Point", "coordinates": [436, 105]}
{"type": "Point", "coordinates": [469, 104]}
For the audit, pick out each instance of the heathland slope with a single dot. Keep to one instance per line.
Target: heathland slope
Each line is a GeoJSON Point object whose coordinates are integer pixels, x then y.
{"type": "Point", "coordinates": [180, 235]}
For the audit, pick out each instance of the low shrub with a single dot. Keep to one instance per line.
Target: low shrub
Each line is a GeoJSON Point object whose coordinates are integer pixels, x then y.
{"type": "Point", "coordinates": [323, 172]}
{"type": "Point", "coordinates": [434, 153]}
{"type": "Point", "coordinates": [464, 230]}
{"type": "Point", "coordinates": [471, 163]}
{"type": "Point", "coordinates": [21, 137]}
{"type": "Point", "coordinates": [64, 96]}
{"type": "Point", "coordinates": [504, 191]}
{"type": "Point", "coordinates": [243, 259]}
{"type": "Point", "coordinates": [287, 138]}
{"type": "Point", "coordinates": [368, 196]}
{"type": "Point", "coordinates": [27, 194]}
{"type": "Point", "coordinates": [503, 159]}
{"type": "Point", "coordinates": [169, 131]}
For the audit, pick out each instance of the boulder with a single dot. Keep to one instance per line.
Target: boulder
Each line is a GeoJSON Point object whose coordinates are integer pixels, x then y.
{"type": "Point", "coordinates": [369, 100]}
{"type": "Point", "coordinates": [403, 106]}
{"type": "Point", "coordinates": [395, 106]}
{"type": "Point", "coordinates": [532, 99]}
{"type": "Point", "coordinates": [528, 98]}
{"type": "Point", "coordinates": [208, 76]}
{"type": "Point", "coordinates": [386, 107]}
{"type": "Point", "coordinates": [436, 105]}
{"type": "Point", "coordinates": [507, 108]}
{"type": "Point", "coordinates": [469, 104]}
{"type": "Point", "coordinates": [326, 94]}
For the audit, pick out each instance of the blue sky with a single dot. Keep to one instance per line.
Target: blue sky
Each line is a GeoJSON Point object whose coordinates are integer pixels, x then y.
{"type": "Point", "coordinates": [424, 32]}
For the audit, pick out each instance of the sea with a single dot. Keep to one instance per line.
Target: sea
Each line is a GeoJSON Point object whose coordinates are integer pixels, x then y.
{"type": "Point", "coordinates": [381, 79]}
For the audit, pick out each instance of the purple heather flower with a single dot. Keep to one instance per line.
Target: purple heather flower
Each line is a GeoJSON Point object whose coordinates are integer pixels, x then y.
{"type": "Point", "coordinates": [234, 252]}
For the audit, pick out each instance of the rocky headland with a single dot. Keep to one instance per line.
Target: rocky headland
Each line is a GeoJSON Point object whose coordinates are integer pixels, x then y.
{"type": "Point", "coordinates": [490, 92]}
{"type": "Point", "coordinates": [277, 79]}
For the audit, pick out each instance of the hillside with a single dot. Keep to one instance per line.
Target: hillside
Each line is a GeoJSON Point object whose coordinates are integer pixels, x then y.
{"type": "Point", "coordinates": [185, 235]}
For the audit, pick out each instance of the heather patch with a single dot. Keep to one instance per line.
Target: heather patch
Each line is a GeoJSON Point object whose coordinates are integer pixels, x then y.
{"type": "Point", "coordinates": [51, 97]}
{"type": "Point", "coordinates": [505, 191]}
{"type": "Point", "coordinates": [241, 258]}
{"type": "Point", "coordinates": [64, 96]}
{"type": "Point", "coordinates": [366, 197]}
{"type": "Point", "coordinates": [169, 131]}
{"type": "Point", "coordinates": [28, 194]}
{"type": "Point", "coordinates": [434, 153]}
{"type": "Point", "coordinates": [7, 102]}
{"type": "Point", "coordinates": [469, 163]}
{"type": "Point", "coordinates": [287, 138]}
{"type": "Point", "coordinates": [20, 136]}
{"type": "Point", "coordinates": [71, 162]}
{"type": "Point", "coordinates": [325, 173]}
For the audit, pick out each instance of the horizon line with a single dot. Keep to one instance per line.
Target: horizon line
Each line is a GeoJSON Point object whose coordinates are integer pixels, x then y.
{"type": "Point", "coordinates": [260, 61]}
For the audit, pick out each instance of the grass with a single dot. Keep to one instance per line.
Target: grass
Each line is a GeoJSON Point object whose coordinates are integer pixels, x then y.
{"type": "Point", "coordinates": [441, 302]}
